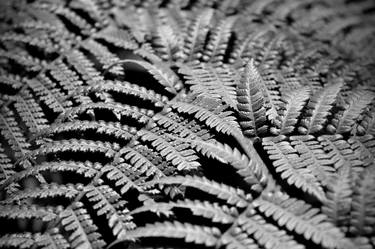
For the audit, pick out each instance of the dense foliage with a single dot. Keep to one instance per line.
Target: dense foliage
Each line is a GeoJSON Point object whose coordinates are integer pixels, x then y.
{"type": "Point", "coordinates": [231, 124]}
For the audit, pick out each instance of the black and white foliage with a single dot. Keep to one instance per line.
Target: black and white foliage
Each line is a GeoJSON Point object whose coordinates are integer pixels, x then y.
{"type": "Point", "coordinates": [187, 124]}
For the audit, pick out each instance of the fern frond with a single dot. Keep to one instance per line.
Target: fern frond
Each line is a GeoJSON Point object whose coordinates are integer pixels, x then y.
{"type": "Point", "coordinates": [313, 157]}
{"type": "Point", "coordinates": [362, 214]}
{"type": "Point", "coordinates": [354, 105]}
{"type": "Point", "coordinates": [45, 45]}
{"type": "Point", "coordinates": [12, 134]}
{"type": "Point", "coordinates": [31, 114]}
{"type": "Point", "coordinates": [109, 203]}
{"type": "Point", "coordinates": [176, 152]}
{"type": "Point", "coordinates": [82, 231]}
{"type": "Point", "coordinates": [289, 165]}
{"type": "Point", "coordinates": [318, 109]}
{"type": "Point", "coordinates": [12, 81]}
{"type": "Point", "coordinates": [84, 67]}
{"type": "Point", "coordinates": [104, 56]}
{"type": "Point", "coordinates": [19, 240]}
{"type": "Point", "coordinates": [25, 61]}
{"type": "Point", "coordinates": [51, 240]}
{"type": "Point", "coordinates": [217, 44]}
{"type": "Point", "coordinates": [179, 126]}
{"type": "Point", "coordinates": [163, 74]}
{"type": "Point", "coordinates": [212, 211]}
{"type": "Point", "coordinates": [118, 110]}
{"type": "Point", "coordinates": [251, 102]}
{"type": "Point", "coordinates": [45, 214]}
{"type": "Point", "coordinates": [52, 97]}
{"type": "Point", "coordinates": [115, 129]}
{"type": "Point", "coordinates": [364, 148]}
{"type": "Point", "coordinates": [67, 78]}
{"type": "Point", "coordinates": [211, 81]}
{"type": "Point", "coordinates": [195, 36]}
{"type": "Point", "coordinates": [340, 152]}
{"type": "Point", "coordinates": [168, 44]}
{"type": "Point", "coordinates": [300, 217]}
{"type": "Point", "coordinates": [121, 177]}
{"type": "Point", "coordinates": [139, 162]}
{"type": "Point", "coordinates": [294, 101]}
{"type": "Point", "coordinates": [337, 205]}
{"type": "Point", "coordinates": [245, 167]}
{"type": "Point", "coordinates": [68, 191]}
{"type": "Point", "coordinates": [86, 169]}
{"type": "Point", "coordinates": [211, 114]}
{"type": "Point", "coordinates": [78, 145]}
{"type": "Point", "coordinates": [6, 166]}
{"type": "Point", "coordinates": [127, 88]}
{"type": "Point", "coordinates": [224, 192]}
{"type": "Point", "coordinates": [74, 19]}
{"type": "Point", "coordinates": [199, 235]}
{"type": "Point", "coordinates": [117, 37]}
{"type": "Point", "coordinates": [266, 234]}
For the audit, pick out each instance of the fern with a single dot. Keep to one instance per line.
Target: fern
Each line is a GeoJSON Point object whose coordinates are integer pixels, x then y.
{"type": "Point", "coordinates": [290, 167]}
{"type": "Point", "coordinates": [318, 108]}
{"type": "Point", "coordinates": [187, 124]}
{"type": "Point", "coordinates": [208, 80]}
{"type": "Point", "coordinates": [250, 102]}
{"type": "Point", "coordinates": [302, 219]}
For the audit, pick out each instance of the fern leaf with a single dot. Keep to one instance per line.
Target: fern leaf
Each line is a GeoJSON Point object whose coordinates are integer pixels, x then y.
{"type": "Point", "coordinates": [216, 118]}
{"type": "Point", "coordinates": [294, 102]}
{"type": "Point", "coordinates": [118, 110]}
{"type": "Point", "coordinates": [19, 240]}
{"type": "Point", "coordinates": [31, 114]}
{"type": "Point", "coordinates": [117, 37]}
{"type": "Point", "coordinates": [51, 97]}
{"type": "Point", "coordinates": [300, 217]}
{"type": "Point", "coordinates": [27, 212]}
{"type": "Point", "coordinates": [339, 197]}
{"type": "Point", "coordinates": [120, 177]}
{"type": "Point", "coordinates": [363, 203]}
{"type": "Point", "coordinates": [211, 81]}
{"type": "Point", "coordinates": [212, 211]}
{"type": "Point", "coordinates": [78, 145]}
{"type": "Point", "coordinates": [266, 234]}
{"type": "Point", "coordinates": [224, 192]}
{"type": "Point", "coordinates": [12, 133]}
{"type": "Point", "coordinates": [165, 76]}
{"type": "Point", "coordinates": [318, 109]}
{"type": "Point", "coordinates": [355, 104]}
{"type": "Point", "coordinates": [175, 152]}
{"type": "Point", "coordinates": [103, 55]}
{"type": "Point", "coordinates": [364, 148]}
{"type": "Point", "coordinates": [174, 124]}
{"type": "Point", "coordinates": [127, 88]}
{"type": "Point", "coordinates": [168, 43]}
{"type": "Point", "coordinates": [218, 42]}
{"type": "Point", "coordinates": [109, 203]}
{"type": "Point", "coordinates": [87, 169]}
{"type": "Point", "coordinates": [68, 191]}
{"type": "Point", "coordinates": [286, 161]}
{"type": "Point", "coordinates": [139, 162]}
{"type": "Point", "coordinates": [196, 35]}
{"type": "Point", "coordinates": [6, 166]}
{"type": "Point", "coordinates": [245, 167]}
{"type": "Point", "coordinates": [313, 157]}
{"type": "Point", "coordinates": [340, 152]}
{"type": "Point", "coordinates": [82, 231]}
{"type": "Point", "coordinates": [251, 102]}
{"type": "Point", "coordinates": [190, 233]}
{"type": "Point", "coordinates": [117, 130]}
